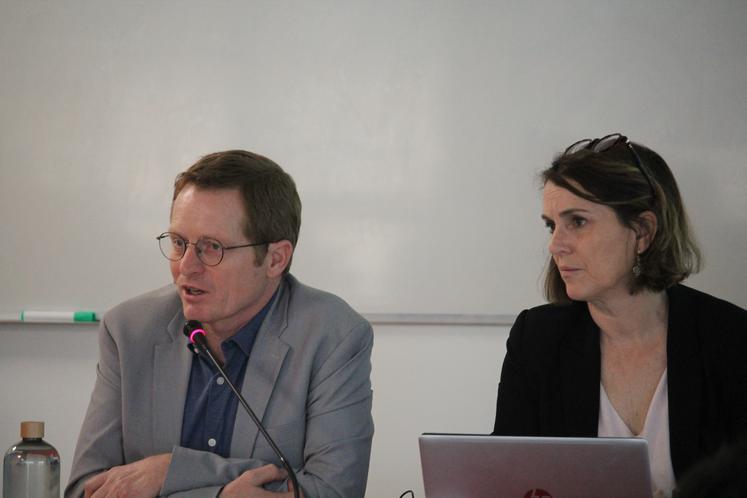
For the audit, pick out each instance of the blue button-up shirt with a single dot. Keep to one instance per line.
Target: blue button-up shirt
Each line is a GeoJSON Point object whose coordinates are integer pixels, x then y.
{"type": "Point", "coordinates": [210, 407]}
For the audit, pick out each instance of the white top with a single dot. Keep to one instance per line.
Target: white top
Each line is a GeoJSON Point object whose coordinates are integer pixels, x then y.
{"type": "Point", "coordinates": [655, 431]}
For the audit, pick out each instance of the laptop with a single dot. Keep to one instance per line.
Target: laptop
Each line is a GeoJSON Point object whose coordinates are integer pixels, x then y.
{"type": "Point", "coordinates": [476, 466]}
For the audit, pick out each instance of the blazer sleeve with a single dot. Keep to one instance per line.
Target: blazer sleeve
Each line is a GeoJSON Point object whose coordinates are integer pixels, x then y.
{"type": "Point", "coordinates": [100, 442]}
{"type": "Point", "coordinates": [339, 427]}
{"type": "Point", "coordinates": [339, 431]}
{"type": "Point", "coordinates": [517, 407]}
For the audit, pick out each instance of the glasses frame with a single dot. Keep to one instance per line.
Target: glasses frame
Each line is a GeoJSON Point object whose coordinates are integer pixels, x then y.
{"type": "Point", "coordinates": [198, 252]}
{"type": "Point", "coordinates": [605, 143]}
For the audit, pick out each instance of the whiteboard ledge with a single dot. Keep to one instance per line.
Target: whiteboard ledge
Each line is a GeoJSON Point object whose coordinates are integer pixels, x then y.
{"type": "Point", "coordinates": [374, 318]}
{"type": "Point", "coordinates": [438, 319]}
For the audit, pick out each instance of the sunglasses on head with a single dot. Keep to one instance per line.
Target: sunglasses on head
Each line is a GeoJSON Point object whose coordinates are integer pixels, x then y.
{"type": "Point", "coordinates": [606, 143]}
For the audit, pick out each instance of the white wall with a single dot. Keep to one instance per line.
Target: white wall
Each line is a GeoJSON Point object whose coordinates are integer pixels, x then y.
{"type": "Point", "coordinates": [414, 130]}
{"type": "Point", "coordinates": [429, 379]}
{"type": "Point", "coordinates": [48, 373]}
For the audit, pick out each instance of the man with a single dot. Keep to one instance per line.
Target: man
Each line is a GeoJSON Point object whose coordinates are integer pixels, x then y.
{"type": "Point", "coordinates": [163, 422]}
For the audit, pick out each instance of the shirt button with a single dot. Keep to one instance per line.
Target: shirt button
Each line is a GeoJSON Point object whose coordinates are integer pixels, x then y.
{"type": "Point", "coordinates": [211, 442]}
{"type": "Point", "coordinates": [220, 381]}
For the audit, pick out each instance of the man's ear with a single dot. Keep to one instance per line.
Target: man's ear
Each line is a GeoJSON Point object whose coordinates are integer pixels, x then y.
{"type": "Point", "coordinates": [645, 228]}
{"type": "Point", "coordinates": [279, 254]}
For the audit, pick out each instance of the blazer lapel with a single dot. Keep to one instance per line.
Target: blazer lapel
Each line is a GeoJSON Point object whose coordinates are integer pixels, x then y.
{"type": "Point", "coordinates": [262, 370]}
{"type": "Point", "coordinates": [579, 369]}
{"type": "Point", "coordinates": [684, 383]}
{"type": "Point", "coordinates": [171, 368]}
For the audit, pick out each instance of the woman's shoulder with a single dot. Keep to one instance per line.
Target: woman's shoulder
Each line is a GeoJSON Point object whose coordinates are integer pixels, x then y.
{"type": "Point", "coordinates": [711, 325]}
{"type": "Point", "coordinates": [551, 326]}
{"type": "Point", "coordinates": [555, 315]}
{"type": "Point", "coordinates": [705, 308]}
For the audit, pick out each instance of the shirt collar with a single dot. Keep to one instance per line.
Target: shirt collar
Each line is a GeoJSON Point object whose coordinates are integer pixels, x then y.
{"type": "Point", "coordinates": [244, 338]}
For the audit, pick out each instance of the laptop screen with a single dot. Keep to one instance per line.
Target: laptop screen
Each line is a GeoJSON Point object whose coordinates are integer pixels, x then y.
{"type": "Point", "coordinates": [477, 466]}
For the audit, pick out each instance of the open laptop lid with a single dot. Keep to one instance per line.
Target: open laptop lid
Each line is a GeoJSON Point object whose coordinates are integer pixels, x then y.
{"type": "Point", "coordinates": [476, 466]}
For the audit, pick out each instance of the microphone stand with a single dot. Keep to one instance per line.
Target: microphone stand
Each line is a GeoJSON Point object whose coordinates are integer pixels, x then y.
{"type": "Point", "coordinates": [197, 337]}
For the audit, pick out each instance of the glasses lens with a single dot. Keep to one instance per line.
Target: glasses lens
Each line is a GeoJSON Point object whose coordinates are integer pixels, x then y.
{"type": "Point", "coordinates": [210, 251]}
{"type": "Point", "coordinates": [607, 142]}
{"type": "Point", "coordinates": [580, 145]}
{"type": "Point", "coordinates": [172, 246]}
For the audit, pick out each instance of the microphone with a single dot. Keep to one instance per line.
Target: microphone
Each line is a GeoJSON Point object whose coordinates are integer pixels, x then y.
{"type": "Point", "coordinates": [196, 335]}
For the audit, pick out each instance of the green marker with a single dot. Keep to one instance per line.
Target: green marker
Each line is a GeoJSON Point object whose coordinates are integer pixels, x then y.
{"type": "Point", "coordinates": [58, 316]}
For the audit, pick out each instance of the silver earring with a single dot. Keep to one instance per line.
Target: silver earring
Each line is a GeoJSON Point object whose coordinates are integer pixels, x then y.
{"type": "Point", "coordinates": [637, 266]}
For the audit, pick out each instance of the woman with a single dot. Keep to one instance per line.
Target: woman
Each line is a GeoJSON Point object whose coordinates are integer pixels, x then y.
{"type": "Point", "coordinates": [624, 349]}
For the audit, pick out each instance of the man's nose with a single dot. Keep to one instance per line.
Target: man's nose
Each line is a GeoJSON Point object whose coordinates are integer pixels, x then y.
{"type": "Point", "coordinates": [190, 262]}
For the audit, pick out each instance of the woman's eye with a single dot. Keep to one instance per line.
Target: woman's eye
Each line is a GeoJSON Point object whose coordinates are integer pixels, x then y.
{"type": "Point", "coordinates": [578, 221]}
{"type": "Point", "coordinates": [550, 227]}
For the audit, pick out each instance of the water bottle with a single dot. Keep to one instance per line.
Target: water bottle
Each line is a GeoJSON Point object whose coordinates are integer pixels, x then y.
{"type": "Point", "coordinates": [31, 468]}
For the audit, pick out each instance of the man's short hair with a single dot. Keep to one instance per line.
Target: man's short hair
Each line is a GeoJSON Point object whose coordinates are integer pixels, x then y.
{"type": "Point", "coordinates": [271, 202]}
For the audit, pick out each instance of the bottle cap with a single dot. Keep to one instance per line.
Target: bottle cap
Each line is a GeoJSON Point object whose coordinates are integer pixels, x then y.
{"type": "Point", "coordinates": [32, 430]}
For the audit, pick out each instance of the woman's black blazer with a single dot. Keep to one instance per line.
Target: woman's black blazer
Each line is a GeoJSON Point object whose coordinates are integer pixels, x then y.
{"type": "Point", "coordinates": [550, 378]}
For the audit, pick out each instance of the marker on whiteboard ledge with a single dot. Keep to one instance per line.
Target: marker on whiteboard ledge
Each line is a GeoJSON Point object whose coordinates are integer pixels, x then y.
{"type": "Point", "coordinates": [58, 316]}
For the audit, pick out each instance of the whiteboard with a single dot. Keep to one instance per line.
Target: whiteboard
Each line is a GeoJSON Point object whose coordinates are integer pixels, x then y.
{"type": "Point", "coordinates": [414, 131]}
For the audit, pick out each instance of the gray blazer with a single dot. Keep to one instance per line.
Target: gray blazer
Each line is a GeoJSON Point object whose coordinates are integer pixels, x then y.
{"type": "Point", "coordinates": [308, 380]}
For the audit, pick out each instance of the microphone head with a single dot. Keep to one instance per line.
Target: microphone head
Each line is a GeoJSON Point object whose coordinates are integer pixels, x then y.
{"type": "Point", "coordinates": [192, 329]}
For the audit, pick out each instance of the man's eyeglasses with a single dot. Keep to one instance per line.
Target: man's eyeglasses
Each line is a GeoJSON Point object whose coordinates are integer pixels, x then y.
{"type": "Point", "coordinates": [606, 143]}
{"type": "Point", "coordinates": [209, 251]}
